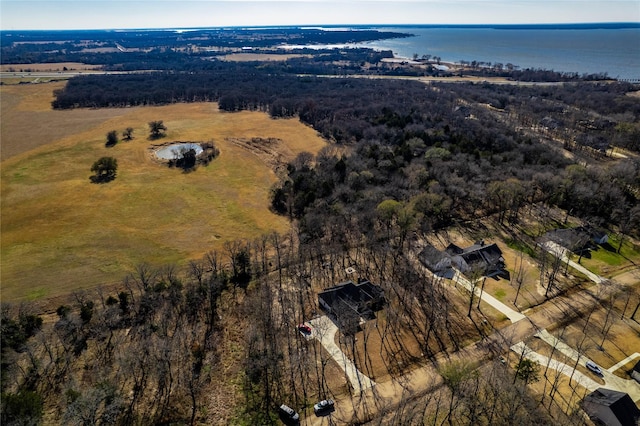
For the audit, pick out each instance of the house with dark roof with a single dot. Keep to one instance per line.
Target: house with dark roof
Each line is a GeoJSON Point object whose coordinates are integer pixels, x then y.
{"type": "Point", "coordinates": [360, 300]}
{"type": "Point", "coordinates": [579, 239]}
{"type": "Point", "coordinates": [486, 258]}
{"type": "Point", "coordinates": [611, 408]}
{"type": "Point", "coordinates": [436, 261]}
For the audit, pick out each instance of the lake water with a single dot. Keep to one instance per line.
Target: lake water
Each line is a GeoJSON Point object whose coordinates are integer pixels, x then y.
{"type": "Point", "coordinates": [175, 151]}
{"type": "Point", "coordinates": [615, 51]}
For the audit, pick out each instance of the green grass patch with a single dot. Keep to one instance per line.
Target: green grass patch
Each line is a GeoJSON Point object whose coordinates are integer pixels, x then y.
{"type": "Point", "coordinates": [606, 259]}
{"type": "Point", "coordinates": [36, 294]}
{"type": "Point", "coordinates": [521, 246]}
{"type": "Point", "coordinates": [500, 294]}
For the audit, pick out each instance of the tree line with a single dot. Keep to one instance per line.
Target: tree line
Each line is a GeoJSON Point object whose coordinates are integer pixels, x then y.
{"type": "Point", "coordinates": [592, 115]}
{"type": "Point", "coordinates": [437, 149]}
{"type": "Point", "coordinates": [78, 40]}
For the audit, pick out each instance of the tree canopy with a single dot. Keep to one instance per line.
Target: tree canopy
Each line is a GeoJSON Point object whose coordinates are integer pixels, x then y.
{"type": "Point", "coordinates": [105, 170]}
{"type": "Point", "coordinates": [156, 129]}
{"type": "Point", "coordinates": [112, 138]}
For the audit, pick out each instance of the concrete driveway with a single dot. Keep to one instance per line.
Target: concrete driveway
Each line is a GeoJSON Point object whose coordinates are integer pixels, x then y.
{"type": "Point", "coordinates": [323, 329]}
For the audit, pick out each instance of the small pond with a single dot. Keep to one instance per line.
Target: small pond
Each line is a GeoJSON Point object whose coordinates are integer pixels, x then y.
{"type": "Point", "coordinates": [173, 151]}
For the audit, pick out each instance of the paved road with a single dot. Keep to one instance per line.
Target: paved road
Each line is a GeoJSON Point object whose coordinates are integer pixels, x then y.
{"type": "Point", "coordinates": [463, 79]}
{"type": "Point", "coordinates": [59, 74]}
{"type": "Point", "coordinates": [611, 381]}
{"type": "Point", "coordinates": [386, 396]}
{"type": "Point", "coordinates": [554, 364]}
{"type": "Point", "coordinates": [623, 362]}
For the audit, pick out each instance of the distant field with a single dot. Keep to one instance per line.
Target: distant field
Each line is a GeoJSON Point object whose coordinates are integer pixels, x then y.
{"type": "Point", "coordinates": [243, 57]}
{"type": "Point", "coordinates": [28, 121]}
{"type": "Point", "coordinates": [58, 66]}
{"type": "Point", "coordinates": [60, 232]}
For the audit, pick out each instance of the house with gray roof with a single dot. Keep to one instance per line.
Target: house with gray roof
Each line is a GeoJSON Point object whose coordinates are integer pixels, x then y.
{"type": "Point", "coordinates": [436, 261]}
{"type": "Point", "coordinates": [611, 408]}
{"type": "Point", "coordinates": [579, 239]}
{"type": "Point", "coordinates": [486, 259]}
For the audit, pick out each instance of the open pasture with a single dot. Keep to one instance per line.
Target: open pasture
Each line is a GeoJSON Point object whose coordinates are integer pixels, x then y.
{"type": "Point", "coordinates": [60, 232]}
{"type": "Point", "coordinates": [56, 66]}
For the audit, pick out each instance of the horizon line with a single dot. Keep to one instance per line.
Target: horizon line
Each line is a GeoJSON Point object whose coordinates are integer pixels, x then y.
{"type": "Point", "coordinates": [558, 25]}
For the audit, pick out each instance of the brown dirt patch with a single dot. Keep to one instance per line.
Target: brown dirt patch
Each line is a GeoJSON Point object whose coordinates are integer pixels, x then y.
{"type": "Point", "coordinates": [272, 151]}
{"type": "Point", "coordinates": [629, 277]}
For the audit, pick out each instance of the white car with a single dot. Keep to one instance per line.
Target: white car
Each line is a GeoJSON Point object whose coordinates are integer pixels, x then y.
{"type": "Point", "coordinates": [324, 406]}
{"type": "Point", "coordinates": [593, 367]}
{"type": "Point", "coordinates": [288, 415]}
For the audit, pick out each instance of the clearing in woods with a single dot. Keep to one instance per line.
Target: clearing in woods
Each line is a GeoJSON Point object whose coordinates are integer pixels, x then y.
{"type": "Point", "coordinates": [62, 233]}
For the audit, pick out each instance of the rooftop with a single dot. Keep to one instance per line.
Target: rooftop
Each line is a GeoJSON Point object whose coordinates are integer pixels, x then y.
{"type": "Point", "coordinates": [619, 404]}
{"type": "Point", "coordinates": [605, 396]}
{"type": "Point", "coordinates": [363, 298]}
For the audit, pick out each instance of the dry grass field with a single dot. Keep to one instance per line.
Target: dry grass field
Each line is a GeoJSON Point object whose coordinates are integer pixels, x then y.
{"type": "Point", "coordinates": [28, 121]}
{"type": "Point", "coordinates": [61, 233]}
{"type": "Point", "coordinates": [57, 66]}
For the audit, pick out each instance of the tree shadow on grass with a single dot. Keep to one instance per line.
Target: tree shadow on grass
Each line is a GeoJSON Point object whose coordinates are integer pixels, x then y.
{"type": "Point", "coordinates": [102, 178]}
{"type": "Point", "coordinates": [608, 247]}
{"type": "Point", "coordinates": [583, 254]}
{"type": "Point", "coordinates": [502, 274]}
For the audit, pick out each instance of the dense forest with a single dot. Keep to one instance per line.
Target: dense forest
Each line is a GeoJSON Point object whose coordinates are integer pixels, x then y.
{"type": "Point", "coordinates": [405, 159]}
{"type": "Point", "coordinates": [216, 344]}
{"type": "Point", "coordinates": [470, 148]}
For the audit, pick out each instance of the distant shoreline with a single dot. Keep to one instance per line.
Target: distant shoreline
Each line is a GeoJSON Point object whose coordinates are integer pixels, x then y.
{"type": "Point", "coordinates": [583, 49]}
{"type": "Point", "coordinates": [556, 26]}
{"type": "Point", "coordinates": [607, 49]}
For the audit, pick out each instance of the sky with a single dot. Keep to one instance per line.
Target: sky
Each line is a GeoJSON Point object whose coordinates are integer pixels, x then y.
{"type": "Point", "coordinates": [119, 14]}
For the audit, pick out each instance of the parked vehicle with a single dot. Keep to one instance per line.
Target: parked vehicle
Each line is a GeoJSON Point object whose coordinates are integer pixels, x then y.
{"type": "Point", "coordinates": [288, 415]}
{"type": "Point", "coordinates": [593, 367]}
{"type": "Point", "coordinates": [323, 407]}
{"type": "Point", "coordinates": [304, 328]}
